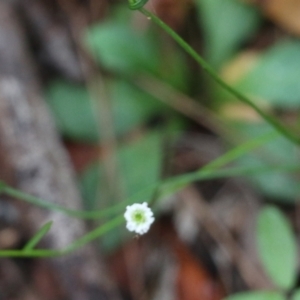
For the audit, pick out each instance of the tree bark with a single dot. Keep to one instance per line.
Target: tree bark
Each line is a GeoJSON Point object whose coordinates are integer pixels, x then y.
{"type": "Point", "coordinates": [33, 159]}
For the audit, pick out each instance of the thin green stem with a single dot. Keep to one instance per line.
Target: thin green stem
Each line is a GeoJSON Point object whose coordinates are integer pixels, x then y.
{"type": "Point", "coordinates": [97, 214]}
{"type": "Point", "coordinates": [92, 235]}
{"type": "Point", "coordinates": [173, 185]}
{"type": "Point", "coordinates": [9, 191]}
{"type": "Point", "coordinates": [30, 245]}
{"type": "Point", "coordinates": [239, 151]}
{"type": "Point", "coordinates": [85, 239]}
{"type": "Point", "coordinates": [166, 188]}
{"type": "Point", "coordinates": [268, 118]}
{"type": "Point", "coordinates": [217, 163]}
{"type": "Point", "coordinates": [33, 253]}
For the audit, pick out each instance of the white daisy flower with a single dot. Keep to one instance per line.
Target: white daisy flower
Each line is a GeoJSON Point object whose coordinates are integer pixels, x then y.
{"type": "Point", "coordinates": [139, 217]}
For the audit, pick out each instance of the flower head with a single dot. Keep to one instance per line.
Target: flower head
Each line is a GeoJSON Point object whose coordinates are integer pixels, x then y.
{"type": "Point", "coordinates": [139, 217]}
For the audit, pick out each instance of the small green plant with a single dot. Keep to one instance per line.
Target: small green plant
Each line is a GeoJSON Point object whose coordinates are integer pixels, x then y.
{"type": "Point", "coordinates": [275, 240]}
{"type": "Point", "coordinates": [161, 189]}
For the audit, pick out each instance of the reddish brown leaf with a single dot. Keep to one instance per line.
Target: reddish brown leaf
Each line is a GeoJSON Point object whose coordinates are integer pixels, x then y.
{"type": "Point", "coordinates": [194, 281]}
{"type": "Point", "coordinates": [82, 154]}
{"type": "Point", "coordinates": [173, 12]}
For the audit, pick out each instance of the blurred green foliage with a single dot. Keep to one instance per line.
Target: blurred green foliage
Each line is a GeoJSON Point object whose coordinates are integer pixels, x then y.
{"type": "Point", "coordinates": [125, 52]}
{"type": "Point", "coordinates": [283, 187]}
{"type": "Point", "coordinates": [274, 77]}
{"type": "Point", "coordinates": [277, 247]}
{"type": "Point", "coordinates": [226, 25]}
{"type": "Point", "coordinates": [72, 107]}
{"type": "Point", "coordinates": [138, 167]}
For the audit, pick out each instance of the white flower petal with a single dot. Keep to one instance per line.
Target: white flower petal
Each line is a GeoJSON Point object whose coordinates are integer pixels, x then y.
{"type": "Point", "coordinates": [139, 217]}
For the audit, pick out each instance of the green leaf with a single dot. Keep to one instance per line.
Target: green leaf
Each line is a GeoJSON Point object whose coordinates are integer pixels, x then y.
{"type": "Point", "coordinates": [277, 247]}
{"type": "Point", "coordinates": [278, 186]}
{"type": "Point", "coordinates": [139, 166]}
{"type": "Point", "coordinates": [226, 24]}
{"type": "Point", "coordinates": [72, 110]}
{"type": "Point", "coordinates": [132, 106]}
{"type": "Point", "coordinates": [296, 295]}
{"type": "Point", "coordinates": [38, 236]}
{"type": "Point", "coordinates": [260, 295]}
{"type": "Point", "coordinates": [275, 76]}
{"type": "Point", "coordinates": [121, 48]}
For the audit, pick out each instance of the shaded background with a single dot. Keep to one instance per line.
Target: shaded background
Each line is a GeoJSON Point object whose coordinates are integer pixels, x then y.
{"type": "Point", "coordinates": [97, 103]}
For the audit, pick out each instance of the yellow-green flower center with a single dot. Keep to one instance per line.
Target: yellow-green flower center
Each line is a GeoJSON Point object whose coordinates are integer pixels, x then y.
{"type": "Point", "coordinates": [138, 216]}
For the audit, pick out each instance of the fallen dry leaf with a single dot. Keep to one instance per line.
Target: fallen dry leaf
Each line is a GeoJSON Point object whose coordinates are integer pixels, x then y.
{"type": "Point", "coordinates": [173, 12]}
{"type": "Point", "coordinates": [285, 13]}
{"type": "Point", "coordinates": [193, 281]}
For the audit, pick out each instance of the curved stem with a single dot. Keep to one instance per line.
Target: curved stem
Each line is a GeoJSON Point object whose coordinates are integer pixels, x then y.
{"type": "Point", "coordinates": [85, 239]}
{"type": "Point", "coordinates": [96, 214]}
{"type": "Point", "coordinates": [268, 118]}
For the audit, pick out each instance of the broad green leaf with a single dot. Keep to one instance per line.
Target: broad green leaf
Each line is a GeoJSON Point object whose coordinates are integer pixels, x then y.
{"type": "Point", "coordinates": [38, 236]}
{"type": "Point", "coordinates": [226, 24]}
{"type": "Point", "coordinates": [277, 247]}
{"type": "Point", "coordinates": [296, 295]}
{"type": "Point", "coordinates": [260, 295]}
{"type": "Point", "coordinates": [275, 76]}
{"type": "Point", "coordinates": [121, 48]}
{"type": "Point", "coordinates": [138, 167]}
{"type": "Point", "coordinates": [72, 110]}
{"type": "Point", "coordinates": [132, 106]}
{"type": "Point", "coordinates": [278, 186]}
